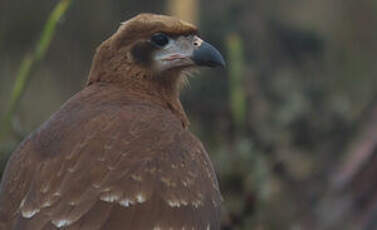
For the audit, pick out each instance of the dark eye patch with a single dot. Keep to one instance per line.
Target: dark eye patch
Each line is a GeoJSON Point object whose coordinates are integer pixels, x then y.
{"type": "Point", "coordinates": [141, 52]}
{"type": "Point", "coordinates": [160, 39]}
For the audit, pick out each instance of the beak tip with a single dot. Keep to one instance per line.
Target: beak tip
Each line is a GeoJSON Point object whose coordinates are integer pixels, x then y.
{"type": "Point", "coordinates": [222, 63]}
{"type": "Point", "coordinates": [207, 55]}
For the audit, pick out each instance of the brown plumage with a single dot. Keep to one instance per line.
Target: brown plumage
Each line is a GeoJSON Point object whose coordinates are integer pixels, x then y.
{"type": "Point", "coordinates": [118, 154]}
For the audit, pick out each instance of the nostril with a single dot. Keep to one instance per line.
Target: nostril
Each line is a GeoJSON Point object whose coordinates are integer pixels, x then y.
{"type": "Point", "coordinates": [196, 43]}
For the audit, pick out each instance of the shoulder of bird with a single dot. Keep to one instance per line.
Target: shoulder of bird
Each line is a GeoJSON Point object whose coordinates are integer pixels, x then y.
{"type": "Point", "coordinates": [118, 155]}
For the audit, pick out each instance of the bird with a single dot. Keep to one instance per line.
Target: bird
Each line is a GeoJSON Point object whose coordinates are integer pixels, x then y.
{"type": "Point", "coordinates": [119, 155]}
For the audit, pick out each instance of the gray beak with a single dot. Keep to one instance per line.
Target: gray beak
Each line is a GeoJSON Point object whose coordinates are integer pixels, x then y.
{"type": "Point", "coordinates": [207, 55]}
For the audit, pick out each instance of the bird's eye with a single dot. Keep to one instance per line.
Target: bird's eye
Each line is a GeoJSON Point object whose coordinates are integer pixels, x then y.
{"type": "Point", "coordinates": [160, 39]}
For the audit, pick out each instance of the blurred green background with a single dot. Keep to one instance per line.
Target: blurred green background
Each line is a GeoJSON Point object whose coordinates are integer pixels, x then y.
{"type": "Point", "coordinates": [291, 123]}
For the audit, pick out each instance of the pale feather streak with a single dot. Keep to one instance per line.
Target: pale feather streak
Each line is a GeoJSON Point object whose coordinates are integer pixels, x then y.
{"type": "Point", "coordinates": [29, 213]}
{"type": "Point", "coordinates": [61, 223]}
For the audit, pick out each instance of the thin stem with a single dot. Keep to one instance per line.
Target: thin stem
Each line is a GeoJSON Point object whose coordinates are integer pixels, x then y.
{"type": "Point", "coordinates": [30, 61]}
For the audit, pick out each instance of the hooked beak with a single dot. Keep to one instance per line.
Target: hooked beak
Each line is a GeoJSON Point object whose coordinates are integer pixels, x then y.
{"type": "Point", "coordinates": [207, 55]}
{"type": "Point", "coordinates": [187, 51]}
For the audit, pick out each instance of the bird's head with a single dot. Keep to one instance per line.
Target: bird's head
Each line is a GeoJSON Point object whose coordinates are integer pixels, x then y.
{"type": "Point", "coordinates": [152, 50]}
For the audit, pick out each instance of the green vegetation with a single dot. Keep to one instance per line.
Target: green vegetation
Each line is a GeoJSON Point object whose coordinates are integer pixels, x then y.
{"type": "Point", "coordinates": [30, 61]}
{"type": "Point", "coordinates": [236, 66]}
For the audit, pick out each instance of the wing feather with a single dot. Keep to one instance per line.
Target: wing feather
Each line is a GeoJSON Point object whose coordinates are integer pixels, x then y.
{"type": "Point", "coordinates": [99, 165]}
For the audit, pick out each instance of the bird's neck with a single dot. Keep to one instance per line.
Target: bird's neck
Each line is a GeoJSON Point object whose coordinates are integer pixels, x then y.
{"type": "Point", "coordinates": [163, 90]}
{"type": "Point", "coordinates": [137, 82]}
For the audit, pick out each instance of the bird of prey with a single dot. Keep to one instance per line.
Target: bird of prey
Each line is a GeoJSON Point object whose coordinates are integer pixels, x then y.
{"type": "Point", "coordinates": [118, 155]}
